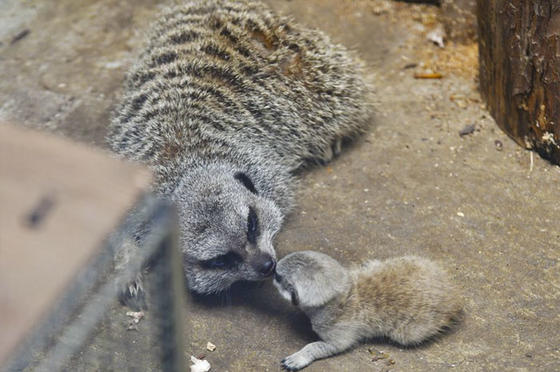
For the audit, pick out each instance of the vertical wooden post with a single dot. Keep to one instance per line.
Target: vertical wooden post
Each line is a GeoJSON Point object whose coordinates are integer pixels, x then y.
{"type": "Point", "coordinates": [520, 70]}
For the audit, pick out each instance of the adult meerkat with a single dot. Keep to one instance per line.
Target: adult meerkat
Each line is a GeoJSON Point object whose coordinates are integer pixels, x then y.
{"type": "Point", "coordinates": [225, 104]}
{"type": "Point", "coordinates": [407, 299]}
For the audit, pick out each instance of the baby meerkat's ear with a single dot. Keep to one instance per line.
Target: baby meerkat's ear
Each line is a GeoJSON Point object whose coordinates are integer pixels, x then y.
{"type": "Point", "coordinates": [329, 281]}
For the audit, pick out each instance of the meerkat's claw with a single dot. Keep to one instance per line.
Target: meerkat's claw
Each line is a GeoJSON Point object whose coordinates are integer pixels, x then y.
{"type": "Point", "coordinates": [285, 367]}
{"type": "Point", "coordinates": [337, 146]}
{"type": "Point", "coordinates": [134, 295]}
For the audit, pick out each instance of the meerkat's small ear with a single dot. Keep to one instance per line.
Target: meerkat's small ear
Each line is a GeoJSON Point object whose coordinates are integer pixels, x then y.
{"type": "Point", "coordinates": [324, 286]}
{"type": "Point", "coordinates": [246, 181]}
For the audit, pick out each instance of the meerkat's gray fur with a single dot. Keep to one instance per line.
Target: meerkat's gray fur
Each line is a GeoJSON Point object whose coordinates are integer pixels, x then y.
{"type": "Point", "coordinates": [407, 299]}
{"type": "Point", "coordinates": [226, 103]}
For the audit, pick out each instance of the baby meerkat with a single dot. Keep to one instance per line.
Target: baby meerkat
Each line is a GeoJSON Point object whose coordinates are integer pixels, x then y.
{"type": "Point", "coordinates": [407, 299]}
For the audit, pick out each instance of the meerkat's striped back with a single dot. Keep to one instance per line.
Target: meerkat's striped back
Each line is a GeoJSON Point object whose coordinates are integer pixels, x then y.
{"type": "Point", "coordinates": [220, 79]}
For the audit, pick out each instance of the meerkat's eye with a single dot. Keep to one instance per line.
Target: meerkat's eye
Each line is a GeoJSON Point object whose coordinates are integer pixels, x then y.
{"type": "Point", "coordinates": [246, 181]}
{"type": "Point", "coordinates": [227, 260]}
{"type": "Point", "coordinates": [252, 226]}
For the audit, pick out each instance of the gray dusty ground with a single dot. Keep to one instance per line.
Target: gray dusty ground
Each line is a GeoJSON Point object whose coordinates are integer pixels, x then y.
{"type": "Point", "coordinates": [412, 186]}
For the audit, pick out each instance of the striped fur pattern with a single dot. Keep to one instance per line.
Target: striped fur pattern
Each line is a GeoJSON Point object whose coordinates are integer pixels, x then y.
{"type": "Point", "coordinates": [228, 87]}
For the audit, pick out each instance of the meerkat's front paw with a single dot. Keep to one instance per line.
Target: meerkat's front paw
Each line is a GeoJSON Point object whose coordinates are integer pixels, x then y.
{"type": "Point", "coordinates": [133, 296]}
{"type": "Point", "coordinates": [296, 361]}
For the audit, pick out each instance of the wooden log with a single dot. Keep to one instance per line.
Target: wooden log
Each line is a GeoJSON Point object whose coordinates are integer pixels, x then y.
{"type": "Point", "coordinates": [520, 70]}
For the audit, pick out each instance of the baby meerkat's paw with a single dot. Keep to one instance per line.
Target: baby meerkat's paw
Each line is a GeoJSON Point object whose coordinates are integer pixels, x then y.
{"type": "Point", "coordinates": [296, 361]}
{"type": "Point", "coordinates": [312, 352]}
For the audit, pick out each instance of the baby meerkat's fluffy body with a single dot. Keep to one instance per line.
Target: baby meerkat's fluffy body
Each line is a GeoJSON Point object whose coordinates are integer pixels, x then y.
{"type": "Point", "coordinates": [407, 299]}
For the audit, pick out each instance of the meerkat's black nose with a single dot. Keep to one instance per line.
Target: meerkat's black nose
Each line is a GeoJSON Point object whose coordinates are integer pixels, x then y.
{"type": "Point", "coordinates": [268, 267]}
{"type": "Point", "coordinates": [278, 278]}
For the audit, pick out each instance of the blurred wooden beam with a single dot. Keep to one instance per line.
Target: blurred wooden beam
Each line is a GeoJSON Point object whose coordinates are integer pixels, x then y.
{"type": "Point", "coordinates": [58, 202]}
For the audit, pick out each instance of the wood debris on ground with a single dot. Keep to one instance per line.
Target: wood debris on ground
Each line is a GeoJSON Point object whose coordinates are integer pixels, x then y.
{"type": "Point", "coordinates": [136, 317]}
{"type": "Point", "coordinates": [380, 355]}
{"type": "Point", "coordinates": [468, 129]}
{"type": "Point", "coordinates": [428, 75]}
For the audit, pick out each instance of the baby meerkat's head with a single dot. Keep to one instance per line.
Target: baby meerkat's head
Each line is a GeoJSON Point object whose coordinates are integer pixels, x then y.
{"type": "Point", "coordinates": [227, 230]}
{"type": "Point", "coordinates": [310, 279]}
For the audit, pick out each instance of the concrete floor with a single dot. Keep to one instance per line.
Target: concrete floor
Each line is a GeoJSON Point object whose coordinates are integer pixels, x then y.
{"type": "Point", "coordinates": [489, 213]}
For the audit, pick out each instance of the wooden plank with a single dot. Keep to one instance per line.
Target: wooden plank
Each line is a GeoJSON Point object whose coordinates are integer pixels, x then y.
{"type": "Point", "coordinates": [58, 200]}
{"type": "Point", "coordinates": [519, 44]}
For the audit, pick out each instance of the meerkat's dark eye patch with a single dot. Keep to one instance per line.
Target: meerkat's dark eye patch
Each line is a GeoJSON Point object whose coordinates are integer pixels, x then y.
{"type": "Point", "coordinates": [246, 181]}
{"type": "Point", "coordinates": [252, 226]}
{"type": "Point", "coordinates": [223, 261]}
{"type": "Point", "coordinates": [295, 299]}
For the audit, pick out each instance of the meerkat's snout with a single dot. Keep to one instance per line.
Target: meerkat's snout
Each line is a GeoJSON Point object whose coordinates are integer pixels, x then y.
{"type": "Point", "coordinates": [264, 264]}
{"type": "Point", "coordinates": [280, 285]}
{"type": "Point", "coordinates": [277, 278]}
